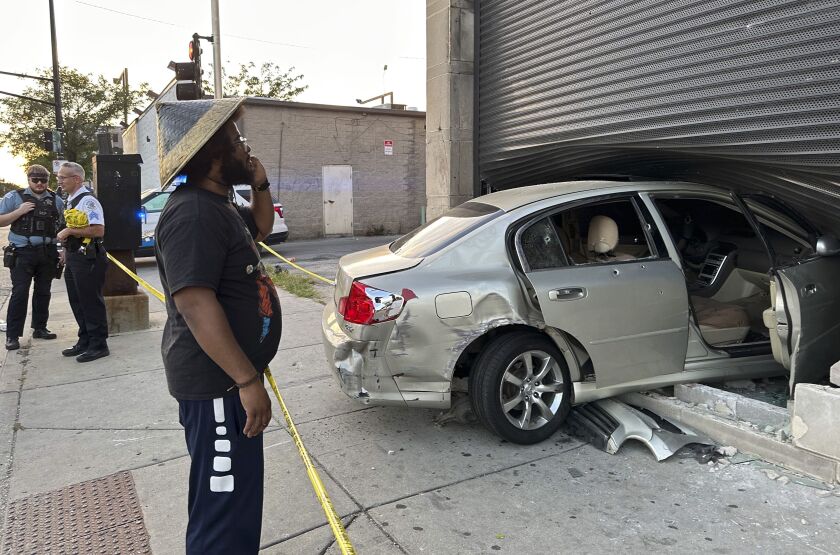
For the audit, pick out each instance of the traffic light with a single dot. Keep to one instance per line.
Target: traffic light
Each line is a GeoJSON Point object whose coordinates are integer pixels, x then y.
{"type": "Point", "coordinates": [188, 74]}
{"type": "Point", "coordinates": [52, 140]}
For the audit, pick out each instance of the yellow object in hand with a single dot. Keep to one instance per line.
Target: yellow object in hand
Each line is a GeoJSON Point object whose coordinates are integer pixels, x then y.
{"type": "Point", "coordinates": [77, 219]}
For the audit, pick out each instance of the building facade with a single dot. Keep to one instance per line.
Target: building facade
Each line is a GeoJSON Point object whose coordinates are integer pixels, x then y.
{"type": "Point", "coordinates": [338, 170]}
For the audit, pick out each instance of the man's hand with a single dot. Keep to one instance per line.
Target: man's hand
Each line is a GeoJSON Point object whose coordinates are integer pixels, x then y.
{"type": "Point", "coordinates": [26, 208]}
{"type": "Point", "coordinates": [258, 175]}
{"type": "Point", "coordinates": [64, 234]}
{"type": "Point", "coordinates": [61, 258]}
{"type": "Point", "coordinates": [257, 408]}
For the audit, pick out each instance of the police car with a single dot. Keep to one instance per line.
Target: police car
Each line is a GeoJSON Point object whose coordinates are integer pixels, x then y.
{"type": "Point", "coordinates": [152, 202]}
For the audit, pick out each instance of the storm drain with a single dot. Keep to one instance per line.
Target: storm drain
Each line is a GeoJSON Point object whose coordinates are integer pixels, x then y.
{"type": "Point", "coordinates": [97, 516]}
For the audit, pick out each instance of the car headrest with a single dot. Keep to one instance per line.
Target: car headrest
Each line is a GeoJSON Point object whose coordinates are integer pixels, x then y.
{"type": "Point", "coordinates": [603, 235]}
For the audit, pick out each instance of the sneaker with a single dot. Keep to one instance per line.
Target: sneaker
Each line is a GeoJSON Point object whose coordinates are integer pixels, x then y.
{"type": "Point", "coordinates": [43, 333]}
{"type": "Point", "coordinates": [12, 343]}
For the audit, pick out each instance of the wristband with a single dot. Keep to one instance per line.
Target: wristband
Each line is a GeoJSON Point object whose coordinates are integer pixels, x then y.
{"type": "Point", "coordinates": [262, 187]}
{"type": "Point", "coordinates": [257, 377]}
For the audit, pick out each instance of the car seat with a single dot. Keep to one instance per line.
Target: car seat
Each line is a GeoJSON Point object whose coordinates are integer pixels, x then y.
{"type": "Point", "coordinates": [602, 239]}
{"type": "Point", "coordinates": [720, 323]}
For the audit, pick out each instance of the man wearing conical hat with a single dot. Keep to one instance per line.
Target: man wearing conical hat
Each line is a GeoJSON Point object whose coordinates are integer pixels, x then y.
{"type": "Point", "coordinates": [223, 317]}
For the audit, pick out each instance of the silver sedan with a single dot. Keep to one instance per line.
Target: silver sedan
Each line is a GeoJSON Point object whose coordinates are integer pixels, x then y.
{"type": "Point", "coordinates": [534, 299]}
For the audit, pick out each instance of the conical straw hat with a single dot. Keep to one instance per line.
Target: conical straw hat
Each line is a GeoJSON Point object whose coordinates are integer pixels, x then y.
{"type": "Point", "coordinates": [186, 126]}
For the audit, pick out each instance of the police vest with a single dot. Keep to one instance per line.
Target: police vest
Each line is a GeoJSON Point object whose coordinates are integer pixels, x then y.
{"type": "Point", "coordinates": [42, 221]}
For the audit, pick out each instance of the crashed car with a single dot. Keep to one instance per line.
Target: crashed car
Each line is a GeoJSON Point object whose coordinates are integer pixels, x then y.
{"type": "Point", "coordinates": [543, 297]}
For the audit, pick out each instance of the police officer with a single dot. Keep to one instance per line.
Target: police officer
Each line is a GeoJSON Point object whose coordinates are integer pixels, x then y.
{"type": "Point", "coordinates": [35, 215]}
{"type": "Point", "coordinates": [85, 265]}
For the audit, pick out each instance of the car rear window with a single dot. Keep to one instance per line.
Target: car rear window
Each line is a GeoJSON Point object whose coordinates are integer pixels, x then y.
{"type": "Point", "coordinates": [445, 230]}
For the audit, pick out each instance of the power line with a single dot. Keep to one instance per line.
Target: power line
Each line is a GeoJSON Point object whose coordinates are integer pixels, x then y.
{"type": "Point", "coordinates": [170, 24]}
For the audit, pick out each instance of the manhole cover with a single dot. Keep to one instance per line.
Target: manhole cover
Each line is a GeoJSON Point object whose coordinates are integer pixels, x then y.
{"type": "Point", "coordinates": [97, 516]}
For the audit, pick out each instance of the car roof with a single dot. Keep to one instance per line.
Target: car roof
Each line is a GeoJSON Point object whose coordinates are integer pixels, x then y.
{"type": "Point", "coordinates": [510, 199]}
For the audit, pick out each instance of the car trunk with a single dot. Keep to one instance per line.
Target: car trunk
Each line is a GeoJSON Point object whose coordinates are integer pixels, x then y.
{"type": "Point", "coordinates": [371, 262]}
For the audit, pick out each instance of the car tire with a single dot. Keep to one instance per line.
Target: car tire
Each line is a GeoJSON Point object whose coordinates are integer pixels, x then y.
{"type": "Point", "coordinates": [510, 396]}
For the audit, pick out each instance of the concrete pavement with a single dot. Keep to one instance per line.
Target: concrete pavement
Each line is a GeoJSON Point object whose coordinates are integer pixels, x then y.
{"type": "Point", "coordinates": [402, 483]}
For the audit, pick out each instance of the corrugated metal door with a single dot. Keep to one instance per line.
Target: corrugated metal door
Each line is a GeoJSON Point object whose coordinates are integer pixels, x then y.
{"type": "Point", "coordinates": [744, 93]}
{"type": "Point", "coordinates": [338, 199]}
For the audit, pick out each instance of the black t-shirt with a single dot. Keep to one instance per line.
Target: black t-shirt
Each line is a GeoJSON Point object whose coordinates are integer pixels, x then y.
{"type": "Point", "coordinates": [203, 240]}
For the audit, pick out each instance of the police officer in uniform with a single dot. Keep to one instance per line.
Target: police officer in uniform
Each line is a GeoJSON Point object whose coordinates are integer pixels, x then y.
{"type": "Point", "coordinates": [35, 215]}
{"type": "Point", "coordinates": [85, 265]}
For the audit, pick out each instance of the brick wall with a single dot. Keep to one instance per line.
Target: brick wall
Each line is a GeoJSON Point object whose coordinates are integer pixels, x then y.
{"type": "Point", "coordinates": [294, 142]}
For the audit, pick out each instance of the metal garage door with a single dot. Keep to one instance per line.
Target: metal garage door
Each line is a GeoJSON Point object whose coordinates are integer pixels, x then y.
{"type": "Point", "coordinates": [743, 93]}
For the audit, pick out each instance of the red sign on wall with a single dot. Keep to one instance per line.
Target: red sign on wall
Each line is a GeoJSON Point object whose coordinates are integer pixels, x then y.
{"type": "Point", "coordinates": [389, 148]}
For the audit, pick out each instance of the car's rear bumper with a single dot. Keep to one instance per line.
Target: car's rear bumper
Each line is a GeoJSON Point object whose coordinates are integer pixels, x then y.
{"type": "Point", "coordinates": [360, 373]}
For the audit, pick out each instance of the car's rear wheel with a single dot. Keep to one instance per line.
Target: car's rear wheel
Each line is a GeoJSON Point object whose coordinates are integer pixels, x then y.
{"type": "Point", "coordinates": [520, 387]}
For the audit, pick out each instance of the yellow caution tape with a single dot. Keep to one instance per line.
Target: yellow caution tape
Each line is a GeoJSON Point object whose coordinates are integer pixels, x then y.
{"type": "Point", "coordinates": [289, 262]}
{"type": "Point", "coordinates": [341, 537]}
{"type": "Point", "coordinates": [338, 530]}
{"type": "Point", "coordinates": [145, 284]}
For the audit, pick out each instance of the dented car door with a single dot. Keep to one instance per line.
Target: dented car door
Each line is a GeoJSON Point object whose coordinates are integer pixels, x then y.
{"type": "Point", "coordinates": [629, 311]}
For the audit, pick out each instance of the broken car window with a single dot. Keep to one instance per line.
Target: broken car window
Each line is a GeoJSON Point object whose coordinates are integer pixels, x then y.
{"type": "Point", "coordinates": [603, 232]}
{"type": "Point", "coordinates": [541, 246]}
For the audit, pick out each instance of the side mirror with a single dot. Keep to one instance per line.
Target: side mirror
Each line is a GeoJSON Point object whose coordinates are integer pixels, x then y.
{"type": "Point", "coordinates": [828, 245]}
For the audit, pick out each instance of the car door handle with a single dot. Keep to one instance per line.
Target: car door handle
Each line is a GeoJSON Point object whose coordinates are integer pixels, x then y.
{"type": "Point", "coordinates": [567, 294]}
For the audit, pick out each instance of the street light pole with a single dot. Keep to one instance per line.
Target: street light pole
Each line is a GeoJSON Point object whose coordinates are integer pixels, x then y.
{"type": "Point", "coordinates": [217, 50]}
{"type": "Point", "coordinates": [59, 120]}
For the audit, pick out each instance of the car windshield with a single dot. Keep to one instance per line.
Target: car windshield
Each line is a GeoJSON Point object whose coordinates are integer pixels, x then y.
{"type": "Point", "coordinates": [445, 230]}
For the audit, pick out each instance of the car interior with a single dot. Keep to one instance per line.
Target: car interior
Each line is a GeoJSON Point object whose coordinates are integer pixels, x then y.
{"type": "Point", "coordinates": [726, 264]}
{"type": "Point", "coordinates": [727, 267]}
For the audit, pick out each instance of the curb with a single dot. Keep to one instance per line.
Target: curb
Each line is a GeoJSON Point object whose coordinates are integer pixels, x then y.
{"type": "Point", "coordinates": [747, 440]}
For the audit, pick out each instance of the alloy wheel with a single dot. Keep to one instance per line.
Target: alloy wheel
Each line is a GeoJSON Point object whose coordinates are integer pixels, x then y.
{"type": "Point", "coordinates": [531, 390]}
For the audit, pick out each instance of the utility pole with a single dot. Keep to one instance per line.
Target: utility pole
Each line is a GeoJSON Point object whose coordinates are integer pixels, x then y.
{"type": "Point", "coordinates": [217, 50]}
{"type": "Point", "coordinates": [59, 120]}
{"type": "Point", "coordinates": [123, 78]}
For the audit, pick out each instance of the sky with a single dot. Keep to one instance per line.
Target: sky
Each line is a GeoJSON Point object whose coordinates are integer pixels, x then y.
{"type": "Point", "coordinates": [340, 46]}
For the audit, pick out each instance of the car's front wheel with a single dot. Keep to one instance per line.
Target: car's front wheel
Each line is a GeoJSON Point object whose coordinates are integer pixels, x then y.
{"type": "Point", "coordinates": [520, 387]}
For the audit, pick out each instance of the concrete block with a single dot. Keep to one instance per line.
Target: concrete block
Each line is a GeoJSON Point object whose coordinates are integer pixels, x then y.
{"type": "Point", "coordinates": [733, 406]}
{"type": "Point", "coordinates": [723, 403]}
{"type": "Point", "coordinates": [127, 313]}
{"type": "Point", "coordinates": [815, 416]}
{"type": "Point", "coordinates": [835, 373]}
{"type": "Point", "coordinates": [761, 413]}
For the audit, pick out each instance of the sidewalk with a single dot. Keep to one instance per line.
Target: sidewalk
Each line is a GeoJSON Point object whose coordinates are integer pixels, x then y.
{"type": "Point", "coordinates": [111, 423]}
{"type": "Point", "coordinates": [94, 461]}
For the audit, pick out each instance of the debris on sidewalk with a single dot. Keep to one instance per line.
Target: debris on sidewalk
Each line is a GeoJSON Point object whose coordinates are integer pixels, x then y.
{"type": "Point", "coordinates": [460, 412]}
{"type": "Point", "coordinates": [608, 423]}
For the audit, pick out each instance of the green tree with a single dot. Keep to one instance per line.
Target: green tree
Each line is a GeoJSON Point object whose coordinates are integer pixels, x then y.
{"type": "Point", "coordinates": [6, 187]}
{"type": "Point", "coordinates": [88, 104]}
{"type": "Point", "coordinates": [267, 81]}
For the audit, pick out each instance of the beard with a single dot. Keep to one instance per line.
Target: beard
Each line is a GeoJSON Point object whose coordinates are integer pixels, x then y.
{"type": "Point", "coordinates": [235, 172]}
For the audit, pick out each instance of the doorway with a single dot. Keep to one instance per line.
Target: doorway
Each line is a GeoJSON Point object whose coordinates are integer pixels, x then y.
{"type": "Point", "coordinates": [338, 200]}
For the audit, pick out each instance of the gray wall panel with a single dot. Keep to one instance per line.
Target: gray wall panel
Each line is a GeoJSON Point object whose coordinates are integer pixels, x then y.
{"type": "Point", "coordinates": [741, 93]}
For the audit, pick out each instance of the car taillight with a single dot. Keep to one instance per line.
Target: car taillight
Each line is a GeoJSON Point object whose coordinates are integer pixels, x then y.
{"type": "Point", "coordinates": [366, 305]}
{"type": "Point", "coordinates": [279, 211]}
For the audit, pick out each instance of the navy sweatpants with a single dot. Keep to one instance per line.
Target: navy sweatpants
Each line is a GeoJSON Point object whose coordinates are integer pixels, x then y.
{"type": "Point", "coordinates": [226, 478]}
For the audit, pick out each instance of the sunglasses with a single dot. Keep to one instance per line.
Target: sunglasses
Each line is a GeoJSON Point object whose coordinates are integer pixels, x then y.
{"type": "Point", "coordinates": [39, 179]}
